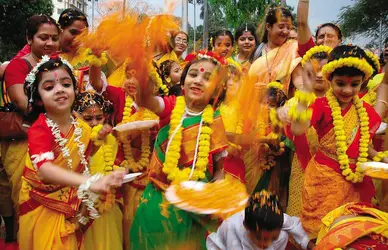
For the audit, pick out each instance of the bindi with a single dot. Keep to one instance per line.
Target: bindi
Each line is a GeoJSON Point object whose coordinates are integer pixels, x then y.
{"type": "Point", "coordinates": [348, 80]}
{"type": "Point", "coordinates": [202, 70]}
{"type": "Point", "coordinates": [56, 76]}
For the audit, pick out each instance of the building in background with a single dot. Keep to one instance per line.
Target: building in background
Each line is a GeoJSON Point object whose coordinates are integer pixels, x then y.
{"type": "Point", "coordinates": [60, 5]}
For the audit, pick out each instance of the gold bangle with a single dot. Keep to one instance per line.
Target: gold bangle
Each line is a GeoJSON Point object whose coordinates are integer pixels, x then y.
{"type": "Point", "coordinates": [386, 104]}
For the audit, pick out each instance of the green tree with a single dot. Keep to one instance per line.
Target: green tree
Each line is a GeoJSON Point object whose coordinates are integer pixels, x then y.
{"type": "Point", "coordinates": [363, 18]}
{"type": "Point", "coordinates": [13, 18]}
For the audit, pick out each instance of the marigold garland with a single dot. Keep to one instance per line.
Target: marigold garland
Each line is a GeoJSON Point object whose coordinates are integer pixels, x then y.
{"type": "Point", "coordinates": [374, 58]}
{"type": "Point", "coordinates": [94, 136]}
{"type": "Point", "coordinates": [380, 156]}
{"type": "Point", "coordinates": [353, 62]}
{"type": "Point", "coordinates": [314, 50]}
{"type": "Point", "coordinates": [170, 166]}
{"type": "Point", "coordinates": [340, 136]}
{"type": "Point", "coordinates": [273, 117]}
{"type": "Point", "coordinates": [94, 60]}
{"type": "Point", "coordinates": [141, 115]}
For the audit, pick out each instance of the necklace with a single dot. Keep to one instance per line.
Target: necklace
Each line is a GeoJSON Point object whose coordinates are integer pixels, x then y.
{"type": "Point", "coordinates": [241, 61]}
{"type": "Point", "coordinates": [193, 113]}
{"type": "Point", "coordinates": [62, 143]}
{"type": "Point", "coordinates": [202, 147]}
{"type": "Point", "coordinates": [340, 137]}
{"type": "Point", "coordinates": [266, 60]}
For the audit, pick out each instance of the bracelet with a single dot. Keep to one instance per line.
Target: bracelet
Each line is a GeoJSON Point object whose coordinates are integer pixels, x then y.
{"type": "Point", "coordinates": [94, 136]}
{"type": "Point", "coordinates": [380, 156]}
{"type": "Point", "coordinates": [386, 103]}
{"type": "Point", "coordinates": [88, 197]}
{"type": "Point", "coordinates": [306, 98]}
{"type": "Point", "coordinates": [94, 60]}
{"type": "Point", "coordinates": [301, 116]}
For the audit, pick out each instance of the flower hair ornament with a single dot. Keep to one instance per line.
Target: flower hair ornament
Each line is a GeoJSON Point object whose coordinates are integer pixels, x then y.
{"type": "Point", "coordinates": [89, 99]}
{"type": "Point", "coordinates": [315, 50]}
{"type": "Point", "coordinates": [31, 77]}
{"type": "Point", "coordinates": [376, 63]}
{"type": "Point", "coordinates": [352, 62]}
{"type": "Point", "coordinates": [263, 199]}
{"type": "Point", "coordinates": [202, 54]}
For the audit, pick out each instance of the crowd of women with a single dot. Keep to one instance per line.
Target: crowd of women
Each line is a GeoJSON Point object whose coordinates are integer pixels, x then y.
{"type": "Point", "coordinates": [293, 117]}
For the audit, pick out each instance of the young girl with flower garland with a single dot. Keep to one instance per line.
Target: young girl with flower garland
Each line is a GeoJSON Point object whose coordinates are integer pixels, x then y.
{"type": "Point", "coordinates": [344, 125]}
{"type": "Point", "coordinates": [58, 191]}
{"type": "Point", "coordinates": [190, 146]}
{"type": "Point", "coordinates": [106, 232]}
{"type": "Point", "coordinates": [306, 145]}
{"type": "Point", "coordinates": [170, 73]}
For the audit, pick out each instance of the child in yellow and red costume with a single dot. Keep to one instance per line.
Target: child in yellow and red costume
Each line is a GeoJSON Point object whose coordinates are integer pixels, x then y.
{"type": "Point", "coordinates": [106, 232]}
{"type": "Point", "coordinates": [333, 177]}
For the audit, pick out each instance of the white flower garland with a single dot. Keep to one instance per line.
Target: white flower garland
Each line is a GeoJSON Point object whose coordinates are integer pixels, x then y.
{"type": "Point", "coordinates": [83, 192]}
{"type": "Point", "coordinates": [30, 78]}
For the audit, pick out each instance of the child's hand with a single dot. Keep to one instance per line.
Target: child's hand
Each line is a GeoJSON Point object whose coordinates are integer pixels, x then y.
{"type": "Point", "coordinates": [104, 131]}
{"type": "Point", "coordinates": [103, 185]}
{"type": "Point", "coordinates": [309, 76]}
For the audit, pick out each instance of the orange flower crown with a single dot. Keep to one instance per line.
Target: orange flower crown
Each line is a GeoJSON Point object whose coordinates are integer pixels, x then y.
{"type": "Point", "coordinates": [203, 54]}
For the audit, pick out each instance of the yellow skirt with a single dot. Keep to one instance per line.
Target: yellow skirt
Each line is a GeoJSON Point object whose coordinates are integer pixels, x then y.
{"type": "Point", "coordinates": [13, 155]}
{"type": "Point", "coordinates": [296, 187]}
{"type": "Point", "coordinates": [46, 229]}
{"type": "Point", "coordinates": [106, 232]}
{"type": "Point", "coordinates": [324, 190]}
{"type": "Point", "coordinates": [132, 197]}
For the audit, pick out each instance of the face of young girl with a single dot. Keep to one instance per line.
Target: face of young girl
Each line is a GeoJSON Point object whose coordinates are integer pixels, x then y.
{"type": "Point", "coordinates": [93, 115]}
{"type": "Point", "coordinates": [131, 83]}
{"type": "Point", "coordinates": [264, 239]}
{"type": "Point", "coordinates": [175, 73]}
{"type": "Point", "coordinates": [345, 88]}
{"type": "Point", "coordinates": [246, 42]}
{"type": "Point", "coordinates": [320, 83]}
{"type": "Point", "coordinates": [223, 46]}
{"type": "Point", "coordinates": [197, 86]}
{"type": "Point", "coordinates": [56, 91]}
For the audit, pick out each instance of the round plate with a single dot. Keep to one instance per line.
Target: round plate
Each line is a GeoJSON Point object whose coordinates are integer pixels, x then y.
{"type": "Point", "coordinates": [138, 125]}
{"type": "Point", "coordinates": [131, 177]}
{"type": "Point", "coordinates": [188, 205]}
{"type": "Point", "coordinates": [376, 170]}
{"type": "Point", "coordinates": [381, 130]}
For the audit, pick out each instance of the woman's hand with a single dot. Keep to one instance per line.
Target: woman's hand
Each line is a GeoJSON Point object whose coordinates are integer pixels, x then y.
{"type": "Point", "coordinates": [103, 185]}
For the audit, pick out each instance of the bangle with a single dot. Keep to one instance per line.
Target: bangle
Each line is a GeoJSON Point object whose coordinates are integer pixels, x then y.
{"type": "Point", "coordinates": [88, 197]}
{"type": "Point", "coordinates": [301, 116]}
{"type": "Point", "coordinates": [380, 156]}
{"type": "Point", "coordinates": [306, 98]}
{"type": "Point", "coordinates": [386, 103]}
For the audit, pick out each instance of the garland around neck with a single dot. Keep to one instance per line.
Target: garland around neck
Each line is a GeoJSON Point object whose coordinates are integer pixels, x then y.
{"type": "Point", "coordinates": [202, 148]}
{"type": "Point", "coordinates": [340, 137]}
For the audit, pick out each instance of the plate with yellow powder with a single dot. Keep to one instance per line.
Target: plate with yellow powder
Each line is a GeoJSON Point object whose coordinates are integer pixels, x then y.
{"type": "Point", "coordinates": [209, 198]}
{"type": "Point", "coordinates": [138, 125]}
{"type": "Point", "coordinates": [376, 170]}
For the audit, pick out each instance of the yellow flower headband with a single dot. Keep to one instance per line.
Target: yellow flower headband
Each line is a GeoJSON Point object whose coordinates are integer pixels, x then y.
{"type": "Point", "coordinates": [374, 58]}
{"type": "Point", "coordinates": [352, 62]}
{"type": "Point", "coordinates": [314, 50]}
{"type": "Point", "coordinates": [234, 64]}
{"type": "Point", "coordinates": [276, 85]}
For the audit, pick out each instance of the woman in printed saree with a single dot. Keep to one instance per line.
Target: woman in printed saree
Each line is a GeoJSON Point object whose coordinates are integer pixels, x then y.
{"type": "Point", "coordinates": [42, 34]}
{"type": "Point", "coordinates": [190, 146]}
{"type": "Point", "coordinates": [278, 61]}
{"type": "Point", "coordinates": [58, 192]}
{"type": "Point", "coordinates": [333, 177]}
{"type": "Point", "coordinates": [358, 226]}
{"type": "Point", "coordinates": [106, 232]}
